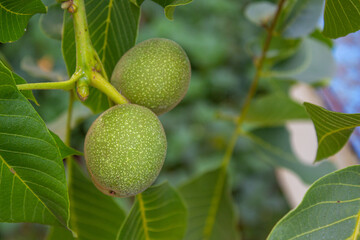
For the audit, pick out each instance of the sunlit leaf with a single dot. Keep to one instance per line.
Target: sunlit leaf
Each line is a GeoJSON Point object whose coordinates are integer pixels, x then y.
{"type": "Point", "coordinates": [341, 17]}
{"type": "Point", "coordinates": [272, 145]}
{"type": "Point", "coordinates": [32, 176]}
{"type": "Point", "coordinates": [329, 210]}
{"type": "Point", "coordinates": [333, 129]}
{"type": "Point", "coordinates": [158, 213]}
{"type": "Point", "coordinates": [14, 17]}
{"type": "Point", "coordinates": [94, 215]}
{"type": "Point", "coordinates": [211, 213]}
{"type": "Point", "coordinates": [113, 27]}
{"type": "Point", "coordinates": [274, 109]}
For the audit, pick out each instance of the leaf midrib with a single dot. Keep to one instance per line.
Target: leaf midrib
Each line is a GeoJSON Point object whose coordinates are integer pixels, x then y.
{"type": "Point", "coordinates": [27, 187]}
{"type": "Point", "coordinates": [335, 131]}
{"type": "Point", "coordinates": [143, 216]}
{"type": "Point", "coordinates": [8, 10]}
{"type": "Point", "coordinates": [107, 25]}
{"type": "Point", "coordinates": [214, 205]}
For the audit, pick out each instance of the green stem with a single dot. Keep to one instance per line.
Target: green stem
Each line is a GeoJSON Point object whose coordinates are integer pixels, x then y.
{"type": "Point", "coordinates": [68, 120]}
{"type": "Point", "coordinates": [88, 61]}
{"type": "Point", "coordinates": [100, 83]}
{"type": "Point", "coordinates": [230, 148]}
{"type": "Point", "coordinates": [84, 49]}
{"type": "Point", "coordinates": [65, 85]}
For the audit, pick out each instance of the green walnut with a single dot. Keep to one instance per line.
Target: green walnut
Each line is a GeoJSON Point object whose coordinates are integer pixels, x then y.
{"type": "Point", "coordinates": [155, 74]}
{"type": "Point", "coordinates": [125, 149]}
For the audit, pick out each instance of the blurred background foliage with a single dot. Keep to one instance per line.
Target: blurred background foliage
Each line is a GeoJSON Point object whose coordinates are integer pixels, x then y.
{"type": "Point", "coordinates": [221, 44]}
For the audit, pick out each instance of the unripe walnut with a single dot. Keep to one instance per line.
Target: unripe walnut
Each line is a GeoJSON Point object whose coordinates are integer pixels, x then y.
{"type": "Point", "coordinates": [154, 73]}
{"type": "Point", "coordinates": [125, 149]}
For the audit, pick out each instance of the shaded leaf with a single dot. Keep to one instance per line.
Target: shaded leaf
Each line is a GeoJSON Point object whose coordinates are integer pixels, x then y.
{"type": "Point", "coordinates": [59, 233]}
{"type": "Point", "coordinates": [94, 215]}
{"type": "Point", "coordinates": [65, 151]}
{"type": "Point", "coordinates": [320, 37]}
{"type": "Point", "coordinates": [260, 13]}
{"type": "Point", "coordinates": [168, 5]}
{"type": "Point", "coordinates": [14, 17]}
{"type": "Point", "coordinates": [113, 27]}
{"type": "Point", "coordinates": [333, 129]}
{"type": "Point", "coordinates": [273, 146]}
{"type": "Point", "coordinates": [52, 22]}
{"type": "Point", "coordinates": [211, 213]}
{"type": "Point", "coordinates": [302, 19]}
{"type": "Point", "coordinates": [341, 17]}
{"type": "Point", "coordinates": [32, 176]}
{"type": "Point", "coordinates": [158, 213]}
{"type": "Point", "coordinates": [274, 109]}
{"type": "Point", "coordinates": [329, 210]}
{"type": "Point", "coordinates": [313, 62]}
{"type": "Point", "coordinates": [18, 80]}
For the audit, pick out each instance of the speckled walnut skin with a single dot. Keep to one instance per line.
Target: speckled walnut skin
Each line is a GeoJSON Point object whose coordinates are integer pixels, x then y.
{"type": "Point", "coordinates": [154, 73]}
{"type": "Point", "coordinates": [125, 149]}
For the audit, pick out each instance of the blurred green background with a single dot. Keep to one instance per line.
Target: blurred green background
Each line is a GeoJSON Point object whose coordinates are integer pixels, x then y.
{"type": "Point", "coordinates": [216, 36]}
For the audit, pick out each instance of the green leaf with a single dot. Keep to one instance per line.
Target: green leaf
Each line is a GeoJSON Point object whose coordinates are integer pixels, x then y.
{"type": "Point", "coordinates": [274, 109]}
{"type": "Point", "coordinates": [14, 16]}
{"type": "Point", "coordinates": [333, 129]}
{"type": "Point", "coordinates": [32, 176]}
{"type": "Point", "coordinates": [260, 13]}
{"type": "Point", "coordinates": [59, 233]}
{"type": "Point", "coordinates": [320, 37]}
{"type": "Point", "coordinates": [341, 17]}
{"type": "Point", "coordinates": [65, 151]}
{"type": "Point", "coordinates": [302, 19]}
{"type": "Point", "coordinates": [211, 213]}
{"type": "Point", "coordinates": [113, 27]}
{"type": "Point", "coordinates": [273, 146]}
{"type": "Point", "coordinates": [94, 215]}
{"type": "Point", "coordinates": [329, 210]}
{"type": "Point", "coordinates": [313, 62]}
{"type": "Point", "coordinates": [52, 22]}
{"type": "Point", "coordinates": [158, 213]}
{"type": "Point", "coordinates": [168, 5]}
{"type": "Point", "coordinates": [18, 80]}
